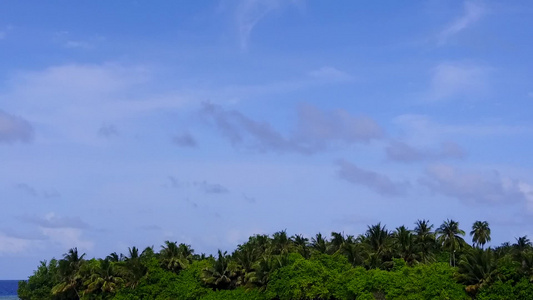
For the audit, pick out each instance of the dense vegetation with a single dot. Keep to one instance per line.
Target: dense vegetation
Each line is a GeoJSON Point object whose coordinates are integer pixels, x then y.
{"type": "Point", "coordinates": [379, 264]}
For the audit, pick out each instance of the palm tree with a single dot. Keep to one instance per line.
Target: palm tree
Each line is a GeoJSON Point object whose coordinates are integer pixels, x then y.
{"type": "Point", "coordinates": [105, 278]}
{"type": "Point", "coordinates": [245, 257]}
{"type": "Point", "coordinates": [133, 267]}
{"type": "Point", "coordinates": [71, 278]}
{"type": "Point", "coordinates": [281, 243]}
{"type": "Point", "coordinates": [477, 269]}
{"type": "Point", "coordinates": [480, 233]}
{"type": "Point", "coordinates": [404, 244]}
{"type": "Point", "coordinates": [262, 270]}
{"type": "Point", "coordinates": [175, 258]}
{"type": "Point", "coordinates": [425, 240]}
{"type": "Point", "coordinates": [449, 236]}
{"type": "Point", "coordinates": [133, 253]}
{"type": "Point", "coordinates": [520, 248]}
{"type": "Point", "coordinates": [337, 241]}
{"type": "Point", "coordinates": [377, 237]}
{"type": "Point", "coordinates": [301, 244]}
{"type": "Point", "coordinates": [319, 243]}
{"type": "Point", "coordinates": [221, 274]}
{"type": "Point", "coordinates": [114, 257]}
{"type": "Point", "coordinates": [355, 252]}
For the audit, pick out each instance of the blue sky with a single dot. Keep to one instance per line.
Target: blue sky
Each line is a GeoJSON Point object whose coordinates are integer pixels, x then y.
{"type": "Point", "coordinates": [204, 122]}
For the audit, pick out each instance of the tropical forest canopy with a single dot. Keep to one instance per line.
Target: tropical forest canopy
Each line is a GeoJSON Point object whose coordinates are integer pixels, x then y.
{"type": "Point", "coordinates": [420, 263]}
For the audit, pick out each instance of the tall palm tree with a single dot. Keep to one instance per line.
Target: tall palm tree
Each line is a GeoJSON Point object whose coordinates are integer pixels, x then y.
{"type": "Point", "coordinates": [175, 258]}
{"type": "Point", "coordinates": [354, 251]}
{"type": "Point", "coordinates": [301, 244]}
{"type": "Point", "coordinates": [520, 248]}
{"type": "Point", "coordinates": [449, 236]}
{"type": "Point", "coordinates": [319, 243]}
{"type": "Point", "coordinates": [245, 257]}
{"type": "Point", "coordinates": [115, 257]}
{"type": "Point", "coordinates": [71, 279]}
{"type": "Point", "coordinates": [337, 241]}
{"type": "Point", "coordinates": [377, 238]}
{"type": "Point", "coordinates": [425, 240]}
{"type": "Point", "coordinates": [221, 274]}
{"type": "Point", "coordinates": [480, 233]}
{"type": "Point", "coordinates": [105, 278]}
{"type": "Point", "coordinates": [133, 268]}
{"type": "Point", "coordinates": [404, 244]}
{"type": "Point", "coordinates": [281, 243]}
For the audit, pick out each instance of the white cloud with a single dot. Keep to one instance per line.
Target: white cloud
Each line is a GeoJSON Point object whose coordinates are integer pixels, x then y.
{"type": "Point", "coordinates": [75, 83]}
{"type": "Point", "coordinates": [451, 80]}
{"type": "Point", "coordinates": [70, 102]}
{"type": "Point", "coordinates": [473, 11]}
{"type": "Point", "coordinates": [527, 190]}
{"type": "Point", "coordinates": [10, 244]}
{"type": "Point", "coordinates": [68, 238]}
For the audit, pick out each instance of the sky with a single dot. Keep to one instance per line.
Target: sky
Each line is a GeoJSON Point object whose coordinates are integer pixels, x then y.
{"type": "Point", "coordinates": [129, 123]}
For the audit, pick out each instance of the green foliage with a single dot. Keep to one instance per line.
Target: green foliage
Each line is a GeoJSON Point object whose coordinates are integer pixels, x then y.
{"type": "Point", "coordinates": [402, 264]}
{"type": "Point", "coordinates": [508, 290]}
{"type": "Point", "coordinates": [306, 279]}
{"type": "Point", "coordinates": [236, 294]}
{"type": "Point", "coordinates": [39, 285]}
{"type": "Point", "coordinates": [433, 281]}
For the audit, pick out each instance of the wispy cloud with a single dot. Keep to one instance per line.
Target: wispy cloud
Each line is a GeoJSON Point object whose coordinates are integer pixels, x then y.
{"type": "Point", "coordinates": [424, 128]}
{"type": "Point", "coordinates": [108, 130]}
{"type": "Point", "coordinates": [14, 129]}
{"type": "Point", "coordinates": [476, 187]}
{"type": "Point", "coordinates": [9, 244]}
{"type": "Point", "coordinates": [329, 73]}
{"type": "Point", "coordinates": [184, 140]}
{"type": "Point", "coordinates": [315, 130]}
{"type": "Point", "coordinates": [249, 13]}
{"type": "Point", "coordinates": [66, 232]}
{"type": "Point", "coordinates": [452, 80]}
{"type": "Point", "coordinates": [34, 192]}
{"type": "Point", "coordinates": [211, 188]}
{"type": "Point", "coordinates": [315, 78]}
{"type": "Point", "coordinates": [5, 31]}
{"type": "Point", "coordinates": [78, 44]}
{"type": "Point", "coordinates": [377, 182]}
{"type": "Point", "coordinates": [26, 188]}
{"type": "Point", "coordinates": [316, 127]}
{"type": "Point", "coordinates": [51, 220]}
{"type": "Point", "coordinates": [472, 12]}
{"type": "Point", "coordinates": [403, 152]}
{"type": "Point", "coordinates": [202, 186]}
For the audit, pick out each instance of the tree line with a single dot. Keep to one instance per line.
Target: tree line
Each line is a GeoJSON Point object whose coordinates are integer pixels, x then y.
{"type": "Point", "coordinates": [419, 263]}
